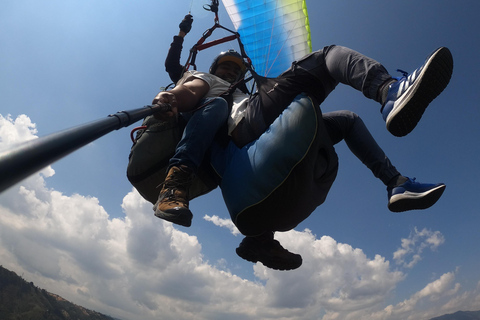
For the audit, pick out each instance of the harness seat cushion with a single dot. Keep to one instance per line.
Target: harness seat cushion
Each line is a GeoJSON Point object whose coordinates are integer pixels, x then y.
{"type": "Point", "coordinates": [276, 181]}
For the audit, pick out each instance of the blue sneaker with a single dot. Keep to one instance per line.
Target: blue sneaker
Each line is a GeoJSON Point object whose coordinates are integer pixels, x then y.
{"type": "Point", "coordinates": [408, 98]}
{"type": "Point", "coordinates": [413, 195]}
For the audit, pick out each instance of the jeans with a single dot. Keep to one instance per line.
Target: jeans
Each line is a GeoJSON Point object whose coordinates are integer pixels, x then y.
{"type": "Point", "coordinates": [199, 133]}
{"type": "Point", "coordinates": [348, 126]}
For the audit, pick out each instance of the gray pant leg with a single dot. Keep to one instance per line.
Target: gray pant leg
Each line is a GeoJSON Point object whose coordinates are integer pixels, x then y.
{"type": "Point", "coordinates": [354, 69]}
{"type": "Point", "coordinates": [348, 126]}
{"type": "Point", "coordinates": [337, 64]}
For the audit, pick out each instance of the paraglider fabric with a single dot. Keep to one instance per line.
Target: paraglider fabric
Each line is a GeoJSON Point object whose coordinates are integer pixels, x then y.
{"type": "Point", "coordinates": [274, 32]}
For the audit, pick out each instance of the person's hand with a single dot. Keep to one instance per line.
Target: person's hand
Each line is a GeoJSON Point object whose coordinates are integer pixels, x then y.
{"type": "Point", "coordinates": [167, 98]}
{"type": "Point", "coordinates": [186, 24]}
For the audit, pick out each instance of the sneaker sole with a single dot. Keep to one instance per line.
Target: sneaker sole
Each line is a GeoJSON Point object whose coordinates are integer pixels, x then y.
{"type": "Point", "coordinates": [433, 79]}
{"type": "Point", "coordinates": [272, 264]}
{"type": "Point", "coordinates": [409, 201]}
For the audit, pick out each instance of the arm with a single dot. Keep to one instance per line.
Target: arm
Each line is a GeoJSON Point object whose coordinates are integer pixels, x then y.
{"type": "Point", "coordinates": [172, 62]}
{"type": "Point", "coordinates": [184, 97]}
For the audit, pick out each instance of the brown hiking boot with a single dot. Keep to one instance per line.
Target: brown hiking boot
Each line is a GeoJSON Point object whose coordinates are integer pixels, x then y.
{"type": "Point", "coordinates": [172, 204]}
{"type": "Point", "coordinates": [269, 252]}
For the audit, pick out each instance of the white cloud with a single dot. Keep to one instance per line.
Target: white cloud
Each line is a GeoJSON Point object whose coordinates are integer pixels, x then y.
{"type": "Point", "coordinates": [412, 247]}
{"type": "Point", "coordinates": [18, 130]}
{"type": "Point", "coordinates": [224, 223]}
{"type": "Point", "coordinates": [334, 276]}
{"type": "Point", "coordinates": [140, 267]}
{"type": "Point", "coordinates": [137, 267]}
{"type": "Point", "coordinates": [441, 289]}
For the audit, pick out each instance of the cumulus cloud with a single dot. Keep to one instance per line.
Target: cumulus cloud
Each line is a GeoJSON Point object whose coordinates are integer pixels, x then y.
{"type": "Point", "coordinates": [140, 267]}
{"type": "Point", "coordinates": [18, 130]}
{"type": "Point", "coordinates": [334, 276]}
{"type": "Point", "coordinates": [412, 247]}
{"type": "Point", "coordinates": [224, 223]}
{"type": "Point", "coordinates": [135, 268]}
{"type": "Point", "coordinates": [15, 131]}
{"type": "Point", "coordinates": [442, 288]}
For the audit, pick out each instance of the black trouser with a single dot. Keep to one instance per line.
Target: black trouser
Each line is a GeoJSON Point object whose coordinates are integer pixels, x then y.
{"type": "Point", "coordinates": [316, 74]}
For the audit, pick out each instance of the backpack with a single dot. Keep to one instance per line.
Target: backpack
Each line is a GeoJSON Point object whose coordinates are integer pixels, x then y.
{"type": "Point", "coordinates": [152, 148]}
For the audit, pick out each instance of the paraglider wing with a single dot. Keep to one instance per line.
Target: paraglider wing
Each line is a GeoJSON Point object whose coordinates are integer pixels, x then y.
{"type": "Point", "coordinates": [274, 32]}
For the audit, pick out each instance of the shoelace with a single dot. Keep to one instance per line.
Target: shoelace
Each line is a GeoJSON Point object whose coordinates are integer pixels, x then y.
{"type": "Point", "coordinates": [177, 182]}
{"type": "Point", "coordinates": [170, 196]}
{"type": "Point", "coordinates": [405, 74]}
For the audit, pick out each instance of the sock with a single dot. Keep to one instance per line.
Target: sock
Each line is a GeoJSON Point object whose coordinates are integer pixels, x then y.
{"type": "Point", "coordinates": [396, 181]}
{"type": "Point", "coordinates": [383, 90]}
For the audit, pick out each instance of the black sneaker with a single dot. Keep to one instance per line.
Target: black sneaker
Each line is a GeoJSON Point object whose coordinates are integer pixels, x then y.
{"type": "Point", "coordinates": [269, 252]}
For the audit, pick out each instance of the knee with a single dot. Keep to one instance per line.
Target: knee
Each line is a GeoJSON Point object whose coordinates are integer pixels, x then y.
{"type": "Point", "coordinates": [347, 116]}
{"type": "Point", "coordinates": [347, 120]}
{"type": "Point", "coordinates": [353, 120]}
{"type": "Point", "coordinates": [350, 115]}
{"type": "Point", "coordinates": [217, 106]}
{"type": "Point", "coordinates": [216, 102]}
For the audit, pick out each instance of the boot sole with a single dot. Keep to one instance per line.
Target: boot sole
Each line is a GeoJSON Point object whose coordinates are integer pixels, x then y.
{"type": "Point", "coordinates": [434, 78]}
{"type": "Point", "coordinates": [271, 263]}
{"type": "Point", "coordinates": [183, 218]}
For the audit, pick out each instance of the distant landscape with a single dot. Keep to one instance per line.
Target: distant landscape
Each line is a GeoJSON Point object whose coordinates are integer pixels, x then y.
{"type": "Point", "coordinates": [460, 315]}
{"type": "Point", "coordinates": [22, 300]}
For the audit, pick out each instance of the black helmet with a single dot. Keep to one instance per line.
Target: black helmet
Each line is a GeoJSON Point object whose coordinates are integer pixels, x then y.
{"type": "Point", "coordinates": [230, 55]}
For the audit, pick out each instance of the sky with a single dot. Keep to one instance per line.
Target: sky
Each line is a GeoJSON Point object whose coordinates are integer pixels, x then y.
{"type": "Point", "coordinates": [80, 230]}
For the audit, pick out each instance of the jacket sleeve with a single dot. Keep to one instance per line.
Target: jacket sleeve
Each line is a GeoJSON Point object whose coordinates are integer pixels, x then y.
{"type": "Point", "coordinates": [172, 62]}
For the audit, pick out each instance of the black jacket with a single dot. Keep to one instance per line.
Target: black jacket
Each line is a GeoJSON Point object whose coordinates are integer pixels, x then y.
{"type": "Point", "coordinates": [172, 62]}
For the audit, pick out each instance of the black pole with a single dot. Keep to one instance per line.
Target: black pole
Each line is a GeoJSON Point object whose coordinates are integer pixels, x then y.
{"type": "Point", "coordinates": [31, 156]}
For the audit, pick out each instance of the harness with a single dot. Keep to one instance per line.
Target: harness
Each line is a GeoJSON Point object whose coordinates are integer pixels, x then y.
{"type": "Point", "coordinates": [201, 45]}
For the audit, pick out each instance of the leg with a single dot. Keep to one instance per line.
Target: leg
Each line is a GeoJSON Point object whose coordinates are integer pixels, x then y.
{"type": "Point", "coordinates": [318, 74]}
{"type": "Point", "coordinates": [403, 100]}
{"type": "Point", "coordinates": [356, 70]}
{"type": "Point", "coordinates": [337, 64]}
{"type": "Point", "coordinates": [202, 126]}
{"type": "Point", "coordinates": [199, 133]}
{"type": "Point", "coordinates": [348, 126]}
{"type": "Point", "coordinates": [403, 193]}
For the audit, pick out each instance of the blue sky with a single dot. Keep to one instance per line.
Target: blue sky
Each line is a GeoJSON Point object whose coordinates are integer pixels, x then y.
{"type": "Point", "coordinates": [78, 229]}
